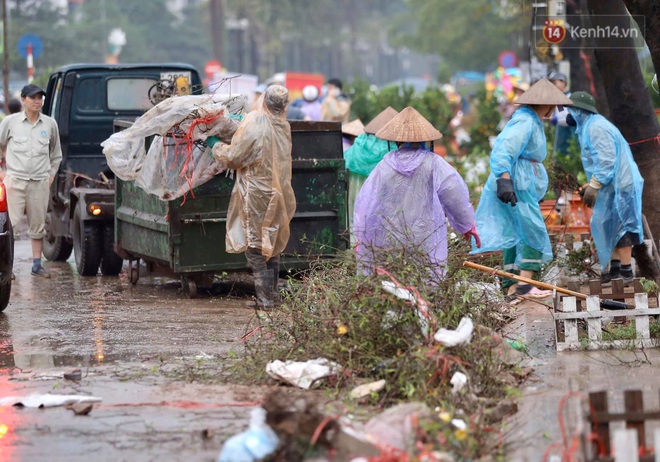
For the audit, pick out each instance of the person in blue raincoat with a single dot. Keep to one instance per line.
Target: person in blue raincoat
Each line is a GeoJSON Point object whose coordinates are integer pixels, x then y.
{"type": "Point", "coordinates": [614, 190]}
{"type": "Point", "coordinates": [509, 216]}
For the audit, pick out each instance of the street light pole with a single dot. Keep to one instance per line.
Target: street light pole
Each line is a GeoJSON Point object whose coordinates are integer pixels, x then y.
{"type": "Point", "coordinates": [5, 55]}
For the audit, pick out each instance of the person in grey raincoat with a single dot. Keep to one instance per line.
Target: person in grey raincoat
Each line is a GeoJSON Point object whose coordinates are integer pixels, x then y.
{"type": "Point", "coordinates": [408, 198]}
{"type": "Point", "coordinates": [508, 215]}
{"type": "Point", "coordinates": [614, 190]}
{"type": "Point", "coordinates": [262, 202]}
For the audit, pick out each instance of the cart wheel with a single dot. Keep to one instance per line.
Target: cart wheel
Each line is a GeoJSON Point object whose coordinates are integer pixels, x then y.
{"type": "Point", "coordinates": [192, 289]}
{"type": "Point", "coordinates": [134, 271]}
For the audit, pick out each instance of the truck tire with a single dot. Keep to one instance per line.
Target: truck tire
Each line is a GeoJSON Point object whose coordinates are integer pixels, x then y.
{"type": "Point", "coordinates": [5, 292]}
{"type": "Point", "coordinates": [56, 248]}
{"type": "Point", "coordinates": [111, 263]}
{"type": "Point", "coordinates": [87, 245]}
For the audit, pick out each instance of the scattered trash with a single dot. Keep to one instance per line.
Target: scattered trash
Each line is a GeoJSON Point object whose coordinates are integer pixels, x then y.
{"type": "Point", "coordinates": [46, 400]}
{"type": "Point", "coordinates": [368, 388]}
{"type": "Point", "coordinates": [461, 335]}
{"type": "Point", "coordinates": [258, 441]}
{"type": "Point", "coordinates": [405, 294]}
{"type": "Point", "coordinates": [459, 423]}
{"type": "Point", "coordinates": [302, 374]}
{"type": "Point", "coordinates": [75, 374]}
{"type": "Point", "coordinates": [516, 345]}
{"type": "Point", "coordinates": [458, 381]}
{"type": "Point", "coordinates": [81, 408]}
{"type": "Point", "coordinates": [395, 427]}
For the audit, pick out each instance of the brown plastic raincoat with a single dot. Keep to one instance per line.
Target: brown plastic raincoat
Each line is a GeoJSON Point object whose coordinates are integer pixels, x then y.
{"type": "Point", "coordinates": [262, 201]}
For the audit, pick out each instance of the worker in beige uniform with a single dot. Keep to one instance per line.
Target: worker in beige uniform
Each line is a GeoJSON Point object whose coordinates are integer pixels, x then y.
{"type": "Point", "coordinates": [30, 145]}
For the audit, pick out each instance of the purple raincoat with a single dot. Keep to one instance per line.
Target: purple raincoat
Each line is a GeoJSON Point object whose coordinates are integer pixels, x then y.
{"type": "Point", "coordinates": [407, 199]}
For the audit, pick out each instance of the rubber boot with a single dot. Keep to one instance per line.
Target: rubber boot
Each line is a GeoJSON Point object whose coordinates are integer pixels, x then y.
{"type": "Point", "coordinates": [263, 287]}
{"type": "Point", "coordinates": [274, 265]}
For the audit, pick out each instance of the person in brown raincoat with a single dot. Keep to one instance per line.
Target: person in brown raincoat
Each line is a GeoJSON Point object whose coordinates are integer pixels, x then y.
{"type": "Point", "coordinates": [262, 202]}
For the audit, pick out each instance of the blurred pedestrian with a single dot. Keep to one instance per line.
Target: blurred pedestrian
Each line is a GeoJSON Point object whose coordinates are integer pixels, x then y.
{"type": "Point", "coordinates": [311, 106]}
{"type": "Point", "coordinates": [408, 198]}
{"type": "Point", "coordinates": [563, 132]}
{"type": "Point", "coordinates": [614, 190]}
{"type": "Point", "coordinates": [336, 105]}
{"type": "Point", "coordinates": [262, 202]}
{"type": "Point", "coordinates": [30, 143]}
{"type": "Point", "coordinates": [14, 105]}
{"type": "Point", "coordinates": [350, 131]}
{"type": "Point", "coordinates": [509, 215]}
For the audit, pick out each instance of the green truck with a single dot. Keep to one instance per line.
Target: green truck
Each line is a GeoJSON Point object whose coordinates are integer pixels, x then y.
{"type": "Point", "coordinates": [105, 221]}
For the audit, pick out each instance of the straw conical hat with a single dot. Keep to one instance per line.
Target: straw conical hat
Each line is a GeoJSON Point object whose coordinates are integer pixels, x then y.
{"type": "Point", "coordinates": [353, 128]}
{"type": "Point", "coordinates": [409, 126]}
{"type": "Point", "coordinates": [544, 92]}
{"type": "Point", "coordinates": [380, 120]}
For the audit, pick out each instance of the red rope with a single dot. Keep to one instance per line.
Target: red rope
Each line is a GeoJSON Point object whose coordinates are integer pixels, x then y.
{"type": "Point", "coordinates": [655, 138]}
{"type": "Point", "coordinates": [183, 146]}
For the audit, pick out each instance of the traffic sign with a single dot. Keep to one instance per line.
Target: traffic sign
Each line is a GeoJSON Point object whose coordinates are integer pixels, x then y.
{"type": "Point", "coordinates": [30, 39]}
{"type": "Point", "coordinates": [508, 59]}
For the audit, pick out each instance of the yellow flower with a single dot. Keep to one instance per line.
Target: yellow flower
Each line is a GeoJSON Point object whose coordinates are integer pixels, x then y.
{"type": "Point", "coordinates": [460, 435]}
{"type": "Point", "coordinates": [341, 329]}
{"type": "Point", "coordinates": [445, 416]}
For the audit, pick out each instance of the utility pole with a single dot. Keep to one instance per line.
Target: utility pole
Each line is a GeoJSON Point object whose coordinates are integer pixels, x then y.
{"type": "Point", "coordinates": [5, 55]}
{"type": "Point", "coordinates": [217, 28]}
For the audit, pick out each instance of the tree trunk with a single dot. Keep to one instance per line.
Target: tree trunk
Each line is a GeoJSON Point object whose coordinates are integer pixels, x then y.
{"type": "Point", "coordinates": [650, 9]}
{"type": "Point", "coordinates": [217, 28]}
{"type": "Point", "coordinates": [630, 107]}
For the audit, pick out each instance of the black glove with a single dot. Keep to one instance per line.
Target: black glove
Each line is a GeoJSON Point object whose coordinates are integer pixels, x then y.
{"type": "Point", "coordinates": [505, 191]}
{"type": "Point", "coordinates": [589, 196]}
{"type": "Point", "coordinates": [570, 121]}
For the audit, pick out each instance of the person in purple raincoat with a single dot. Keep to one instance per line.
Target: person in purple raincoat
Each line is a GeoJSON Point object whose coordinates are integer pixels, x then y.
{"type": "Point", "coordinates": [408, 197]}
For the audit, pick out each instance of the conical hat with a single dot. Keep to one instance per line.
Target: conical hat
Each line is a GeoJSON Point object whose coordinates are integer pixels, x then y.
{"type": "Point", "coordinates": [409, 126]}
{"type": "Point", "coordinates": [380, 120]}
{"type": "Point", "coordinates": [353, 128]}
{"type": "Point", "coordinates": [544, 92]}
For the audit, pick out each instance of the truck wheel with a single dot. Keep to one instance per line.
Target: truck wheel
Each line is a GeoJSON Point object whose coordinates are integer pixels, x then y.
{"type": "Point", "coordinates": [87, 245]}
{"type": "Point", "coordinates": [56, 248]}
{"type": "Point", "coordinates": [5, 292]}
{"type": "Point", "coordinates": [111, 263]}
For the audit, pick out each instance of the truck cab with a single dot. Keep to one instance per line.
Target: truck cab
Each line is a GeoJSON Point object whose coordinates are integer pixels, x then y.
{"type": "Point", "coordinates": [85, 99]}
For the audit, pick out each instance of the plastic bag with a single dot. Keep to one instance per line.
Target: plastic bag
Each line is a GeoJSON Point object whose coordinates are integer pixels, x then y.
{"type": "Point", "coordinates": [178, 159]}
{"type": "Point", "coordinates": [258, 441]}
{"type": "Point", "coordinates": [462, 334]}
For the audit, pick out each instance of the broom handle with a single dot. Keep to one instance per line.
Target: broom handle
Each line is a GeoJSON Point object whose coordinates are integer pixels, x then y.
{"type": "Point", "coordinates": [515, 277]}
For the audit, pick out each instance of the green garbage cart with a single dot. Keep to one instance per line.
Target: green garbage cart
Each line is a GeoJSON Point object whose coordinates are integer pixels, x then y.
{"type": "Point", "coordinates": [187, 238]}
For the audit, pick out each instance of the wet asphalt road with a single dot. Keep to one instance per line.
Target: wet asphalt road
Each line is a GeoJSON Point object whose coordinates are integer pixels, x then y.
{"type": "Point", "coordinates": [139, 349]}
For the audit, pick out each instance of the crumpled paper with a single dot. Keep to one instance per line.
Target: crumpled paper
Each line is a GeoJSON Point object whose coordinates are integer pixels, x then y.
{"type": "Point", "coordinates": [302, 374]}
{"type": "Point", "coordinates": [47, 400]}
{"type": "Point", "coordinates": [462, 334]}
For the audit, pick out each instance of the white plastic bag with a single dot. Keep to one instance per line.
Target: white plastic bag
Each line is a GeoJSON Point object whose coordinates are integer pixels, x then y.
{"type": "Point", "coordinates": [462, 334]}
{"type": "Point", "coordinates": [302, 374]}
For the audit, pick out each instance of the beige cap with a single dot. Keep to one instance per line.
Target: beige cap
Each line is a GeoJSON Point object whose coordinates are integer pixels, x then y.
{"type": "Point", "coordinates": [543, 92]}
{"type": "Point", "coordinates": [353, 128]}
{"type": "Point", "coordinates": [409, 126]}
{"type": "Point", "coordinates": [380, 120]}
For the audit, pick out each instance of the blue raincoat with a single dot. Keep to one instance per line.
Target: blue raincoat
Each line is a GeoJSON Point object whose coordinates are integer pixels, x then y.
{"type": "Point", "coordinates": [606, 156]}
{"type": "Point", "coordinates": [520, 150]}
{"type": "Point", "coordinates": [366, 152]}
